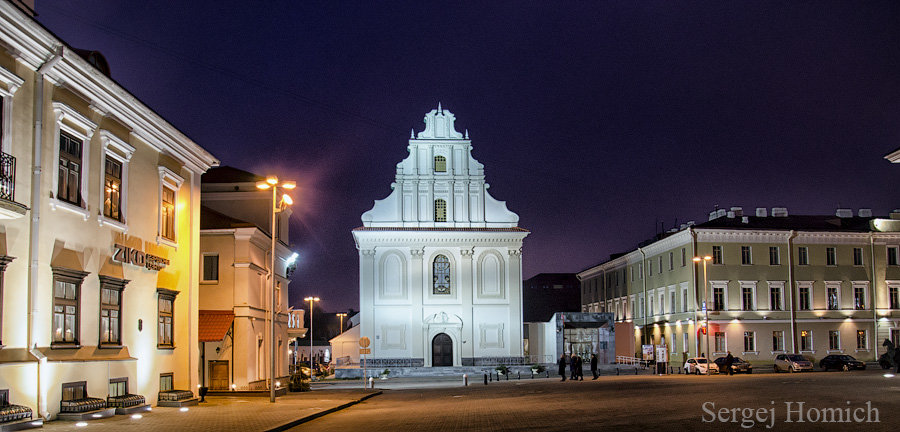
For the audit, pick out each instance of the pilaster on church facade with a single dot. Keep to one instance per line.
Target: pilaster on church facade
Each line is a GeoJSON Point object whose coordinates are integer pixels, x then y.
{"type": "Point", "coordinates": [440, 267]}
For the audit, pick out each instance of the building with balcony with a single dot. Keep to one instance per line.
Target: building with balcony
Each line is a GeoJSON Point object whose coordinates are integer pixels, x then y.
{"type": "Point", "coordinates": [235, 292]}
{"type": "Point", "coordinates": [773, 283]}
{"type": "Point", "coordinates": [99, 237]}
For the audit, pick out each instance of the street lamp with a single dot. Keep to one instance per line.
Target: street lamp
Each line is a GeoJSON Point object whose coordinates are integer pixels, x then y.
{"type": "Point", "coordinates": [705, 259]}
{"type": "Point", "coordinates": [311, 300]}
{"type": "Point", "coordinates": [341, 316]}
{"type": "Point", "coordinates": [272, 182]}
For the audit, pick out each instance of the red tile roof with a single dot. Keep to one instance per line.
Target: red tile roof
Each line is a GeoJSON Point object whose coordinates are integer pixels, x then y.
{"type": "Point", "coordinates": [214, 324]}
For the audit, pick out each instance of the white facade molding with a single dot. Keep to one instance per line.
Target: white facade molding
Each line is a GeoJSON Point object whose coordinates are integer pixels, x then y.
{"type": "Point", "coordinates": [76, 124]}
{"type": "Point", "coordinates": [115, 148]}
{"type": "Point", "coordinates": [167, 178]}
{"type": "Point", "coordinates": [12, 82]}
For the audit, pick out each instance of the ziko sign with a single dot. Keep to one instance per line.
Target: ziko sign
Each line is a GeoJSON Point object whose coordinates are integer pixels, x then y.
{"type": "Point", "coordinates": [127, 255]}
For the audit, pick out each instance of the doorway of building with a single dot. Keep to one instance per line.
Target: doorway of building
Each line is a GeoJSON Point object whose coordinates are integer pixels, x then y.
{"type": "Point", "coordinates": [218, 375]}
{"type": "Point", "coordinates": [441, 350]}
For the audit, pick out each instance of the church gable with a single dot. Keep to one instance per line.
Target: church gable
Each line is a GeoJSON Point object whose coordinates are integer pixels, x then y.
{"type": "Point", "coordinates": [440, 184]}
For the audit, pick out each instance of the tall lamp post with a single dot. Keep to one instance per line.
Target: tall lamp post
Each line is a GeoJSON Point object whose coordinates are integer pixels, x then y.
{"type": "Point", "coordinates": [311, 300]}
{"type": "Point", "coordinates": [704, 260]}
{"type": "Point", "coordinates": [341, 316]}
{"type": "Point", "coordinates": [272, 182]}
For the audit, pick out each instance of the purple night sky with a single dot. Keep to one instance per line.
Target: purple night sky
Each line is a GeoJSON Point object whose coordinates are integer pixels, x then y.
{"type": "Point", "coordinates": [594, 120]}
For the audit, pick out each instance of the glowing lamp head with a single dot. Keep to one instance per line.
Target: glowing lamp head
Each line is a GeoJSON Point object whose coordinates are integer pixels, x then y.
{"type": "Point", "coordinates": [287, 199]}
{"type": "Point", "coordinates": [697, 259]}
{"type": "Point", "coordinates": [289, 185]}
{"type": "Point", "coordinates": [262, 185]}
{"type": "Point", "coordinates": [272, 180]}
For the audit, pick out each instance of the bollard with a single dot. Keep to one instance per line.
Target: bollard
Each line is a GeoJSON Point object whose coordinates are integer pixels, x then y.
{"type": "Point", "coordinates": [617, 371]}
{"type": "Point", "coordinates": [371, 383]}
{"type": "Point", "coordinates": [491, 376]}
{"type": "Point", "coordinates": [519, 375]}
{"type": "Point", "coordinates": [507, 377]}
{"type": "Point", "coordinates": [485, 379]}
{"type": "Point", "coordinates": [635, 371]}
{"type": "Point", "coordinates": [465, 380]}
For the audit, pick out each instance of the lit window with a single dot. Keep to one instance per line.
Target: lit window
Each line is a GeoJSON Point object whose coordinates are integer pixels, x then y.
{"type": "Point", "coordinates": [832, 297]}
{"type": "Point", "coordinates": [440, 210]}
{"type": "Point", "coordinates": [111, 310]}
{"type": "Point", "coordinates": [441, 274]}
{"type": "Point", "coordinates": [806, 342]}
{"type": "Point", "coordinates": [165, 382]}
{"type": "Point", "coordinates": [166, 315]}
{"type": "Point", "coordinates": [440, 164]}
{"type": "Point", "coordinates": [112, 190]}
{"type": "Point", "coordinates": [859, 297]}
{"type": "Point", "coordinates": [168, 198]}
{"type": "Point", "coordinates": [862, 342]}
{"type": "Point", "coordinates": [66, 305]}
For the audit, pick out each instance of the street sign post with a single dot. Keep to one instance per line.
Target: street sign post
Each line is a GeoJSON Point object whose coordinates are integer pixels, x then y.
{"type": "Point", "coordinates": [363, 350]}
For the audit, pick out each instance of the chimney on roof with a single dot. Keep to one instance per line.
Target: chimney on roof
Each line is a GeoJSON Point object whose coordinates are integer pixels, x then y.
{"type": "Point", "coordinates": [895, 214]}
{"type": "Point", "coordinates": [844, 213]}
{"type": "Point", "coordinates": [738, 211]}
{"type": "Point", "coordinates": [864, 213]}
{"type": "Point", "coordinates": [730, 215]}
{"type": "Point", "coordinates": [761, 212]}
{"type": "Point", "coordinates": [779, 212]}
{"type": "Point", "coordinates": [745, 219]}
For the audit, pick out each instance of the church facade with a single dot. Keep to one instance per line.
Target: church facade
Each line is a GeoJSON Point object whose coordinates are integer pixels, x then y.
{"type": "Point", "coordinates": [440, 260]}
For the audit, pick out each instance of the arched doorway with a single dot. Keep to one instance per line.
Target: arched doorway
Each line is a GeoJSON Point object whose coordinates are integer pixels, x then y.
{"type": "Point", "coordinates": [441, 350]}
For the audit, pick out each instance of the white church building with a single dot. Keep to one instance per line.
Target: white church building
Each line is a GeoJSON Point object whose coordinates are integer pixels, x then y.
{"type": "Point", "coordinates": [440, 261]}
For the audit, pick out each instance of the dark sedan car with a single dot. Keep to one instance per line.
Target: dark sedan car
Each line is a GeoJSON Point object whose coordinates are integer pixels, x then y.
{"type": "Point", "coordinates": [841, 362]}
{"type": "Point", "coordinates": [738, 365]}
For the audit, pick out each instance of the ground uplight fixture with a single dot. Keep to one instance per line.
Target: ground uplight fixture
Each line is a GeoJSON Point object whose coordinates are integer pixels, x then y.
{"type": "Point", "coordinates": [184, 409]}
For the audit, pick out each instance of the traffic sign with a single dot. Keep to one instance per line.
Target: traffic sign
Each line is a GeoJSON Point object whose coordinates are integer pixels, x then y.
{"type": "Point", "coordinates": [365, 351]}
{"type": "Point", "coordinates": [364, 342]}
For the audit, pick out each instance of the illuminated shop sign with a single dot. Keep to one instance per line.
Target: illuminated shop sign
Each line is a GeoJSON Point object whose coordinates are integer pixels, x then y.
{"type": "Point", "coordinates": [127, 255]}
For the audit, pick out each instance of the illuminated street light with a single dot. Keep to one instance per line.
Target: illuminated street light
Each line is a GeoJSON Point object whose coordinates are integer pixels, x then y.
{"type": "Point", "coordinates": [705, 259]}
{"type": "Point", "coordinates": [341, 316]}
{"type": "Point", "coordinates": [311, 300]}
{"type": "Point", "coordinates": [272, 182]}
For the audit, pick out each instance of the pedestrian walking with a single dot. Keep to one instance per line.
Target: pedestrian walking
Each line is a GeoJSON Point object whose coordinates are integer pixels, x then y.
{"type": "Point", "coordinates": [594, 366]}
{"type": "Point", "coordinates": [562, 367]}
{"type": "Point", "coordinates": [573, 363]}
{"type": "Point", "coordinates": [580, 370]}
{"type": "Point", "coordinates": [729, 360]}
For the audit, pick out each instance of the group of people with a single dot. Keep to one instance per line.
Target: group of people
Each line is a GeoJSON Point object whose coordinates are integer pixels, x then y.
{"type": "Point", "coordinates": [576, 366]}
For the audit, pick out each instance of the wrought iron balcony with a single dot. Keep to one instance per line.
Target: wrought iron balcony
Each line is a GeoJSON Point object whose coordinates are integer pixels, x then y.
{"type": "Point", "coordinates": [9, 208]}
{"type": "Point", "coordinates": [7, 177]}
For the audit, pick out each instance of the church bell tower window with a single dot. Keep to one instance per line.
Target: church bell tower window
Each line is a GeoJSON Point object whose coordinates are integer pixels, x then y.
{"type": "Point", "coordinates": [440, 164]}
{"type": "Point", "coordinates": [440, 210]}
{"type": "Point", "coordinates": [441, 271]}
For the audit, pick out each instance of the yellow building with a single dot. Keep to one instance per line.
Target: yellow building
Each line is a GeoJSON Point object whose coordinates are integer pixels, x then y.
{"type": "Point", "coordinates": [100, 232]}
{"type": "Point", "coordinates": [773, 283]}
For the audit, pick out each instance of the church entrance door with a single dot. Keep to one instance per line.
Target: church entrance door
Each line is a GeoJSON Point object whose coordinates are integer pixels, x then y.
{"type": "Point", "coordinates": [441, 350]}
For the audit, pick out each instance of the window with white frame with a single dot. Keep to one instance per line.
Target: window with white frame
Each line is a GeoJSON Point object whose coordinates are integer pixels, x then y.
{"type": "Point", "coordinates": [440, 164]}
{"type": "Point", "coordinates": [894, 295]}
{"type": "Point", "coordinates": [115, 155]}
{"type": "Point", "coordinates": [12, 83]}
{"type": "Point", "coordinates": [776, 295]}
{"type": "Point", "coordinates": [440, 210]}
{"type": "Point", "coordinates": [748, 295]}
{"type": "Point", "coordinates": [859, 295]}
{"type": "Point", "coordinates": [673, 348]}
{"type": "Point", "coordinates": [685, 342]}
{"type": "Point", "coordinates": [803, 255]}
{"type": "Point", "coordinates": [719, 295]}
{"type": "Point", "coordinates": [672, 302]}
{"type": "Point", "coordinates": [662, 302]}
{"type": "Point", "coordinates": [683, 257]}
{"type": "Point", "coordinates": [834, 340]}
{"type": "Point", "coordinates": [720, 343]}
{"type": "Point", "coordinates": [660, 259]}
{"type": "Point", "coordinates": [72, 158]}
{"type": "Point", "coordinates": [749, 341]}
{"type": "Point", "coordinates": [166, 318]}
{"type": "Point", "coordinates": [169, 183]}
{"type": "Point", "coordinates": [651, 307]}
{"type": "Point", "coordinates": [641, 309]}
{"type": "Point", "coordinates": [862, 340]}
{"type": "Point", "coordinates": [671, 261]}
{"type": "Point", "coordinates": [774, 256]}
{"type": "Point", "coordinates": [832, 295]}
{"type": "Point", "coordinates": [111, 310]}
{"type": "Point", "coordinates": [746, 256]}
{"type": "Point", "coordinates": [778, 340]}
{"type": "Point", "coordinates": [66, 328]}
{"type": "Point", "coordinates": [806, 340]}
{"type": "Point", "coordinates": [684, 299]}
{"type": "Point", "coordinates": [717, 257]}
{"type": "Point", "coordinates": [804, 300]}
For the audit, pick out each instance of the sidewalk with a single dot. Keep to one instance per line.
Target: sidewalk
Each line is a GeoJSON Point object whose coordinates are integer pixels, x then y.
{"type": "Point", "coordinates": [231, 413]}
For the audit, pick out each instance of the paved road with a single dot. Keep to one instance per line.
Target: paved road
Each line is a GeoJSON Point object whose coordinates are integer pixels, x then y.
{"type": "Point", "coordinates": [645, 403]}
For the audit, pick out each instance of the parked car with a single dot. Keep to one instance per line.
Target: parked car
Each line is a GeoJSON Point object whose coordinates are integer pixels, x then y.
{"type": "Point", "coordinates": [842, 362]}
{"type": "Point", "coordinates": [738, 365]}
{"type": "Point", "coordinates": [792, 363]}
{"type": "Point", "coordinates": [699, 365]}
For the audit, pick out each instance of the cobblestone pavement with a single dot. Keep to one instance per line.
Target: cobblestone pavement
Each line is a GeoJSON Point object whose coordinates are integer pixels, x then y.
{"type": "Point", "coordinates": [225, 413]}
{"type": "Point", "coordinates": [629, 403]}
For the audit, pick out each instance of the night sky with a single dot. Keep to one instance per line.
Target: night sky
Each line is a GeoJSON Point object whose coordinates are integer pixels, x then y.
{"type": "Point", "coordinates": [595, 121]}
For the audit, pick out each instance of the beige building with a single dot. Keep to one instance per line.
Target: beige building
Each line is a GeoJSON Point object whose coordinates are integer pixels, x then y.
{"type": "Point", "coordinates": [775, 283]}
{"type": "Point", "coordinates": [99, 236]}
{"type": "Point", "coordinates": [235, 292]}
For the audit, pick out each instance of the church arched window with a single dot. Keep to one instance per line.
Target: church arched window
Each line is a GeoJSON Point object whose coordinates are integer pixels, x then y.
{"type": "Point", "coordinates": [440, 164]}
{"type": "Point", "coordinates": [440, 210]}
{"type": "Point", "coordinates": [440, 268]}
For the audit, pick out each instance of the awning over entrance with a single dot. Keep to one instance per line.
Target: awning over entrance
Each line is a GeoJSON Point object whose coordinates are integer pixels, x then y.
{"type": "Point", "coordinates": [214, 325]}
